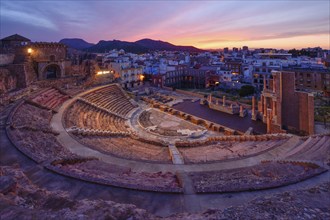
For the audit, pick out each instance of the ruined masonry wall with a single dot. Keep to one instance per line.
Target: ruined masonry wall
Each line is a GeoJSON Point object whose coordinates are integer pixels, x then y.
{"type": "Point", "coordinates": [6, 59]}
{"type": "Point", "coordinates": [8, 81]}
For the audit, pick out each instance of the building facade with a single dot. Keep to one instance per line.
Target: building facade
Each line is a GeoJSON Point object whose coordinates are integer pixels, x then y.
{"type": "Point", "coordinates": [313, 80]}
{"type": "Point", "coordinates": [49, 59]}
{"type": "Point", "coordinates": [185, 77]}
{"type": "Point", "coordinates": [283, 108]}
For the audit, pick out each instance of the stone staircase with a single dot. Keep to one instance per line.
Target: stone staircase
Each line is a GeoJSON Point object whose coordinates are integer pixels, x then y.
{"type": "Point", "coordinates": [282, 150]}
{"type": "Point", "coordinates": [175, 154]}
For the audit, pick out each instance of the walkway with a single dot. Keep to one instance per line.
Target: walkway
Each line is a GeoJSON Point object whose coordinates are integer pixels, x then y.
{"type": "Point", "coordinates": [175, 155]}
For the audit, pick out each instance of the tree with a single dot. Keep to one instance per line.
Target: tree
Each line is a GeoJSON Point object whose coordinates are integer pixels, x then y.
{"type": "Point", "coordinates": [246, 90]}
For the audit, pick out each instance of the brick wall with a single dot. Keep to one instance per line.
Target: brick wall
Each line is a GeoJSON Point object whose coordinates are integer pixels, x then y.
{"type": "Point", "coordinates": [297, 107]}
{"type": "Point", "coordinates": [290, 101]}
{"type": "Point", "coordinates": [44, 52]}
{"type": "Point", "coordinates": [24, 73]}
{"type": "Point", "coordinates": [306, 113]}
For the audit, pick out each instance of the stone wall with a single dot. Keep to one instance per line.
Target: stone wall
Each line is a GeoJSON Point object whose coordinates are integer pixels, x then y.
{"type": "Point", "coordinates": [297, 107]}
{"type": "Point", "coordinates": [290, 103]}
{"type": "Point", "coordinates": [184, 92]}
{"type": "Point", "coordinates": [227, 109]}
{"type": "Point", "coordinates": [189, 93]}
{"type": "Point", "coordinates": [306, 113]}
{"type": "Point", "coordinates": [24, 73]}
{"type": "Point", "coordinates": [6, 59]}
{"type": "Point", "coordinates": [8, 81]}
{"type": "Point", "coordinates": [48, 52]}
{"type": "Point", "coordinates": [276, 129]}
{"type": "Point", "coordinates": [30, 74]}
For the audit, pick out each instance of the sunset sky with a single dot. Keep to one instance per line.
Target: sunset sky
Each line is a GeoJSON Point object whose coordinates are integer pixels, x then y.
{"type": "Point", "coordinates": [204, 24]}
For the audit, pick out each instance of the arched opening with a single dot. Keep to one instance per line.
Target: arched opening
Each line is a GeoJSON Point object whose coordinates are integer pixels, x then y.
{"type": "Point", "coordinates": [52, 71]}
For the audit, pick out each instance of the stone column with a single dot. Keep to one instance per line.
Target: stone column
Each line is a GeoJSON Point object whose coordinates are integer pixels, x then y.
{"type": "Point", "coordinates": [265, 86]}
{"type": "Point", "coordinates": [274, 108]}
{"type": "Point", "coordinates": [217, 102]}
{"type": "Point", "coordinates": [224, 100]}
{"type": "Point", "coordinates": [274, 83]}
{"type": "Point", "coordinates": [254, 115]}
{"type": "Point", "coordinates": [265, 109]}
{"type": "Point", "coordinates": [269, 120]}
{"type": "Point", "coordinates": [241, 111]}
{"type": "Point", "coordinates": [260, 107]}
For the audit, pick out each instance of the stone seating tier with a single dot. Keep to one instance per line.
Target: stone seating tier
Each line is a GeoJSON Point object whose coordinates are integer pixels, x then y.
{"type": "Point", "coordinates": [82, 115]}
{"type": "Point", "coordinates": [50, 98]}
{"type": "Point", "coordinates": [117, 175]}
{"type": "Point", "coordinates": [218, 151]}
{"type": "Point", "coordinates": [262, 176]}
{"type": "Point", "coordinates": [315, 148]}
{"type": "Point", "coordinates": [127, 147]}
{"type": "Point", "coordinates": [111, 98]}
{"type": "Point", "coordinates": [28, 115]}
{"type": "Point", "coordinates": [38, 145]}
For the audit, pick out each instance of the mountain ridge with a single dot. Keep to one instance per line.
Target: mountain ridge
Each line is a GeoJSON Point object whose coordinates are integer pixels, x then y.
{"type": "Point", "coordinates": [141, 46]}
{"type": "Point", "coordinates": [76, 43]}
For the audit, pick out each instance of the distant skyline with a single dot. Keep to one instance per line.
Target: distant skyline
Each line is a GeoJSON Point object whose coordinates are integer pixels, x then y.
{"type": "Point", "coordinates": [203, 24]}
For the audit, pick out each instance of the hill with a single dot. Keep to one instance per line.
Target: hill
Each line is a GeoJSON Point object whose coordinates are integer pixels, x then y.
{"type": "Point", "coordinates": [76, 43]}
{"type": "Point", "coordinates": [105, 46]}
{"type": "Point", "coordinates": [140, 46]}
{"type": "Point", "coordinates": [161, 45]}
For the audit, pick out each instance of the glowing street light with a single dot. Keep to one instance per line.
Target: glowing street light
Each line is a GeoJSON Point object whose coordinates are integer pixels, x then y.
{"type": "Point", "coordinates": [102, 72]}
{"type": "Point", "coordinates": [29, 50]}
{"type": "Point", "coordinates": [142, 77]}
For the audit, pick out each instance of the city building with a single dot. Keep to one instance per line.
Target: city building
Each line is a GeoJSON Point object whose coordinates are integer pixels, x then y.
{"type": "Point", "coordinates": [264, 64]}
{"type": "Point", "coordinates": [185, 77]}
{"type": "Point", "coordinates": [312, 80]}
{"type": "Point", "coordinates": [14, 41]}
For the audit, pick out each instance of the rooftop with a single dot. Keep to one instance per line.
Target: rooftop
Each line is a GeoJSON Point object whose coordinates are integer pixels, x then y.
{"type": "Point", "coordinates": [15, 37]}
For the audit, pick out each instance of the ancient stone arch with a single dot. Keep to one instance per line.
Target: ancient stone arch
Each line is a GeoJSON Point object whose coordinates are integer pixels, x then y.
{"type": "Point", "coordinates": [51, 71]}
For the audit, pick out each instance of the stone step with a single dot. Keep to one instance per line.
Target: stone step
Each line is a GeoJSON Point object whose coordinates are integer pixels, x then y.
{"type": "Point", "coordinates": [186, 183]}
{"type": "Point", "coordinates": [281, 151]}
{"type": "Point", "coordinates": [175, 154]}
